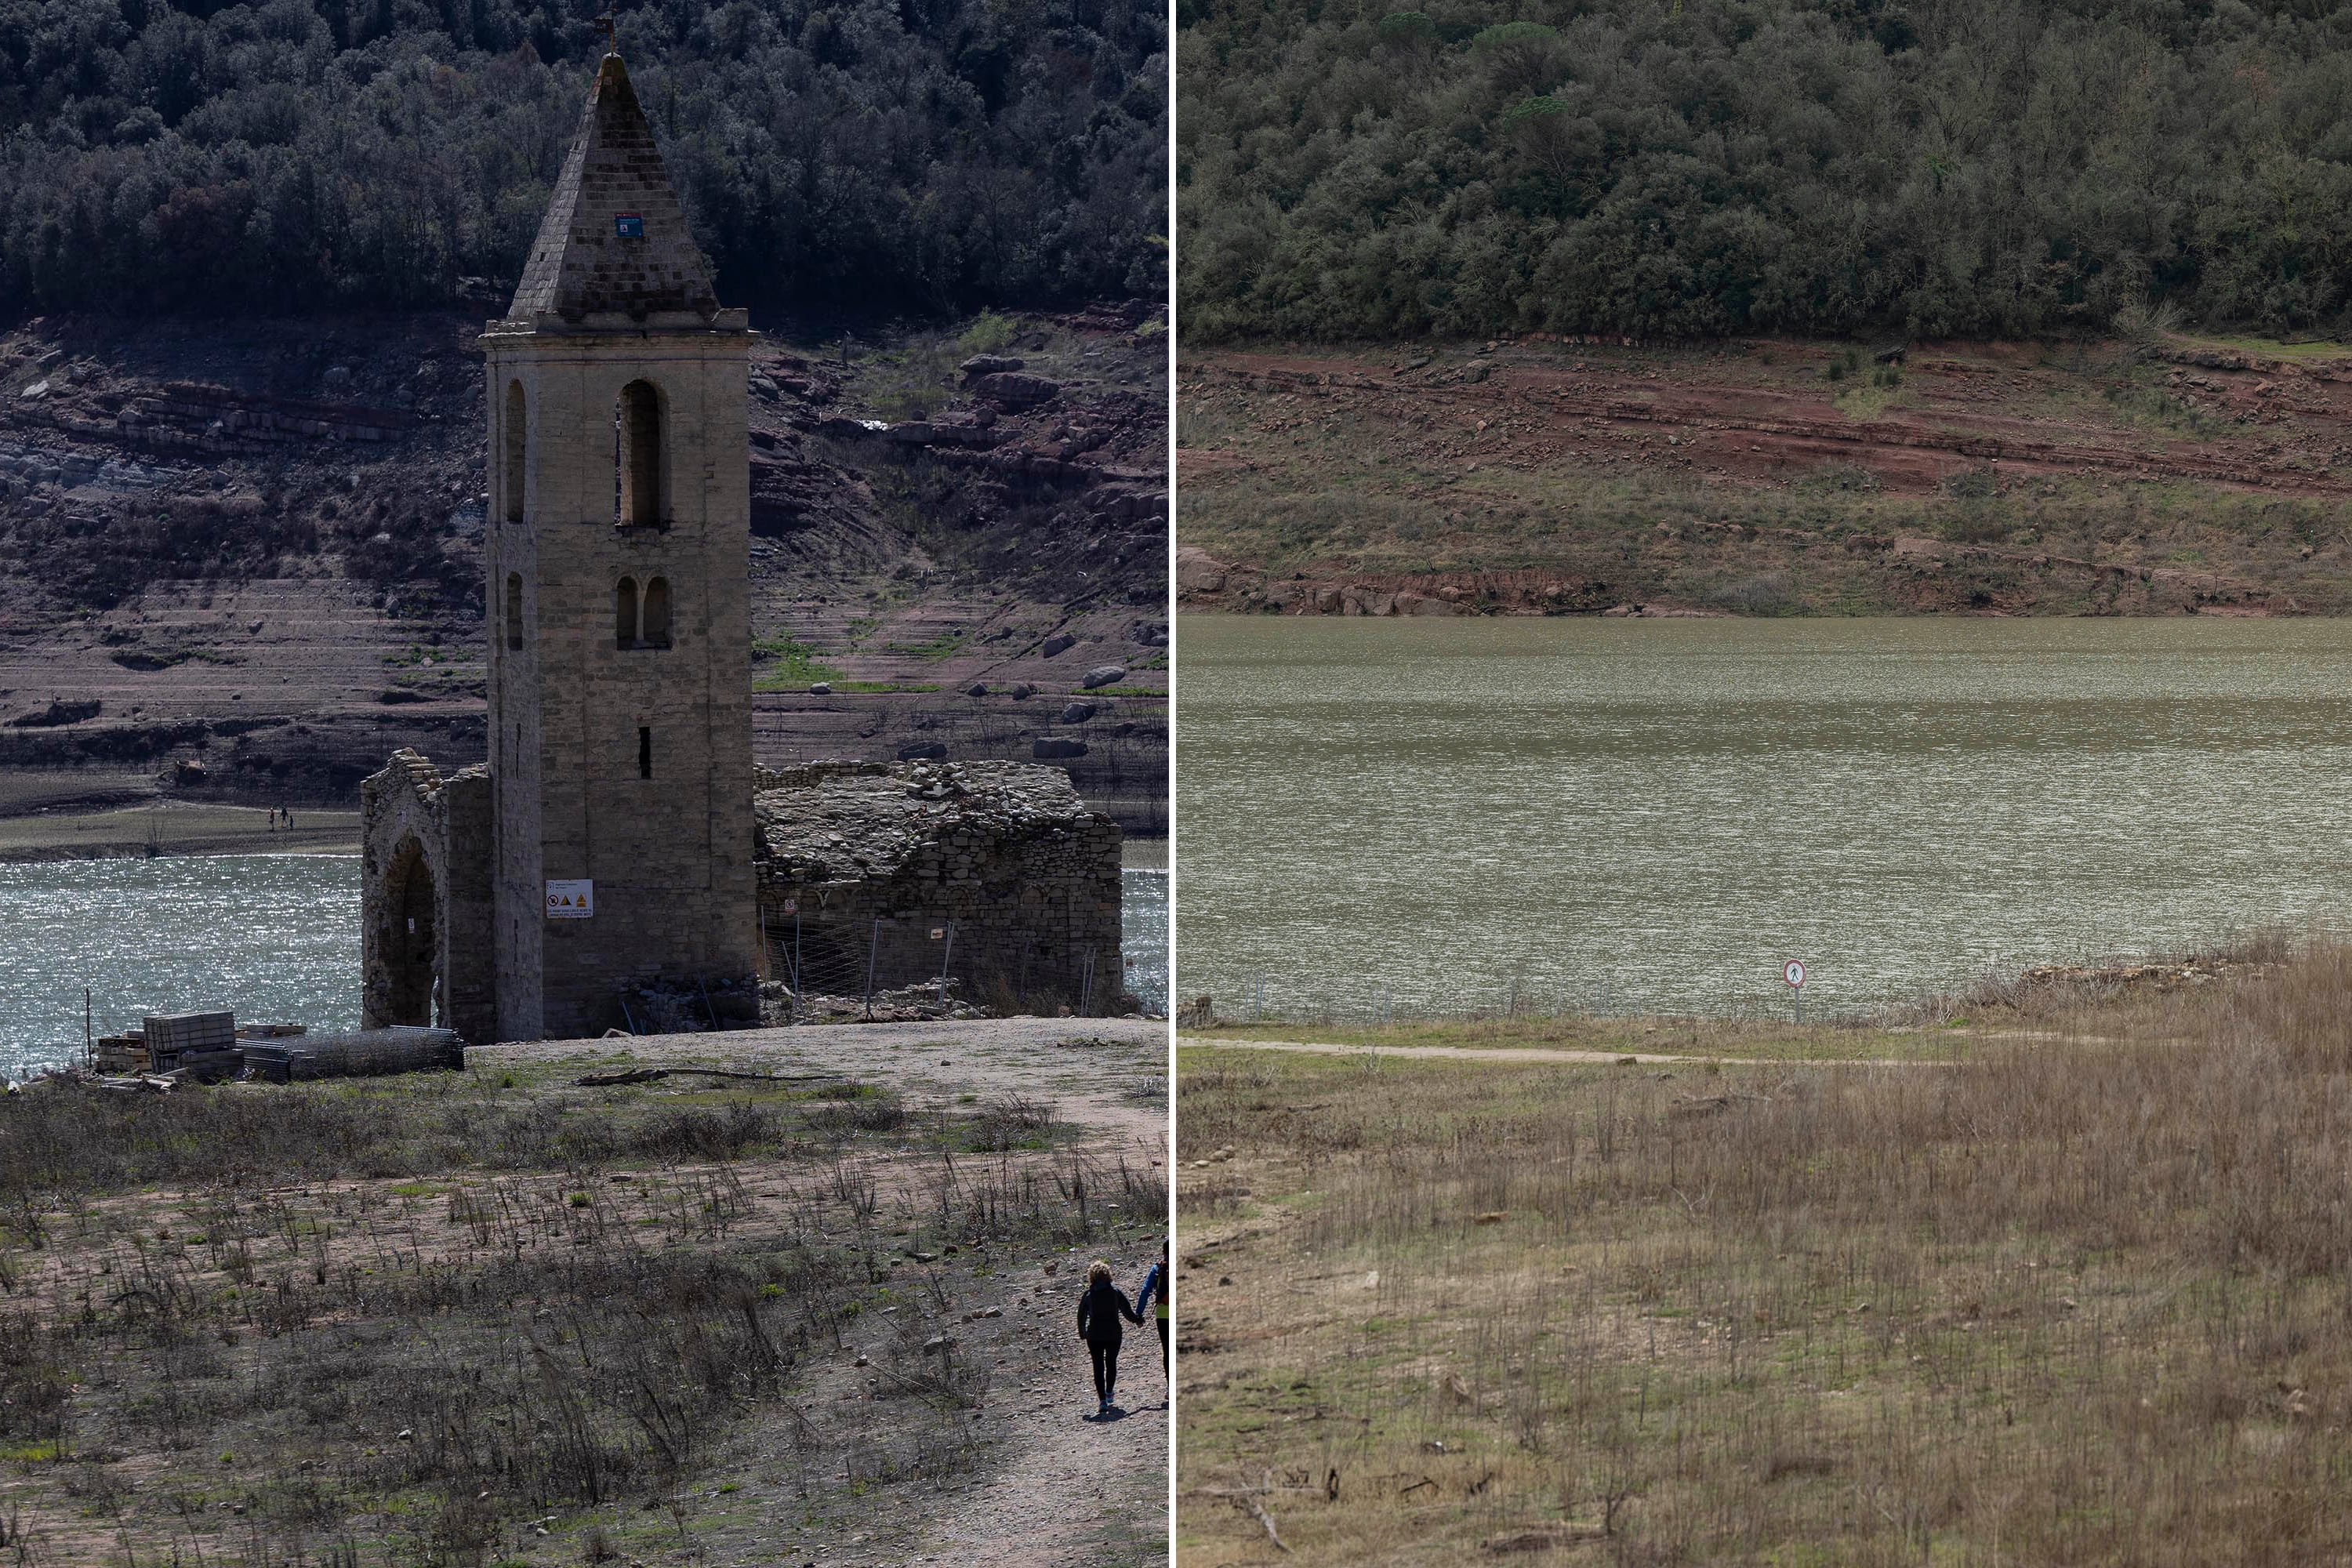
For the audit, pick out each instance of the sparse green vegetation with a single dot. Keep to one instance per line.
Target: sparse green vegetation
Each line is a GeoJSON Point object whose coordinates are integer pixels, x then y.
{"type": "Point", "coordinates": [789, 663]}
{"type": "Point", "coordinates": [989, 331]}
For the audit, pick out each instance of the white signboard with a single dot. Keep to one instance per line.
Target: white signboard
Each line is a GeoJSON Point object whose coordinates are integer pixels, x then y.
{"type": "Point", "coordinates": [1794, 974]}
{"type": "Point", "coordinates": [571, 900]}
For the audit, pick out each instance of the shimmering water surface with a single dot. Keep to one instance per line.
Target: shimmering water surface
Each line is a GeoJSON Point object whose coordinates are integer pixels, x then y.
{"type": "Point", "coordinates": [1640, 815]}
{"type": "Point", "coordinates": [274, 937]}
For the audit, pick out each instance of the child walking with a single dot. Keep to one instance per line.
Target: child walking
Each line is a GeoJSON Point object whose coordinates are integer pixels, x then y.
{"type": "Point", "coordinates": [1158, 1286]}
{"type": "Point", "coordinates": [1100, 1308]}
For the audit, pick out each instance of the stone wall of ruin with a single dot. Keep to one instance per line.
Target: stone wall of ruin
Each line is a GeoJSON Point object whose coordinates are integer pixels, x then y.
{"type": "Point", "coordinates": [870, 859]}
{"type": "Point", "coordinates": [408, 811]}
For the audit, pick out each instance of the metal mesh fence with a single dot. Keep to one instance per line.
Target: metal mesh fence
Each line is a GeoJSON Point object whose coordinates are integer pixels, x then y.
{"type": "Point", "coordinates": [829, 967]}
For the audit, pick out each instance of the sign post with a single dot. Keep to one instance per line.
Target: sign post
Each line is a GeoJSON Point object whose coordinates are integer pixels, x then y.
{"type": "Point", "coordinates": [1793, 971]}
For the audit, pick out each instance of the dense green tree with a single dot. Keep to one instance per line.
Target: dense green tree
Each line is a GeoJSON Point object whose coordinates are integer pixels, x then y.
{"type": "Point", "coordinates": [874, 157]}
{"type": "Point", "coordinates": [1693, 167]}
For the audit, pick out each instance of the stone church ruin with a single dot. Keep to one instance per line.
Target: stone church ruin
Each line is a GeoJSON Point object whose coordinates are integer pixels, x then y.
{"type": "Point", "coordinates": [884, 877]}
{"type": "Point", "coordinates": [611, 840]}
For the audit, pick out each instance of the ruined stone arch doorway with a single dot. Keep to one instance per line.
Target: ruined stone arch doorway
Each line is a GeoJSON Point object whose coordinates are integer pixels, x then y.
{"type": "Point", "coordinates": [409, 941]}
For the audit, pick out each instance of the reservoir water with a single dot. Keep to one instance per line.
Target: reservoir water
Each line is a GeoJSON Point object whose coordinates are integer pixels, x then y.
{"type": "Point", "coordinates": [1653, 816]}
{"type": "Point", "coordinates": [274, 937]}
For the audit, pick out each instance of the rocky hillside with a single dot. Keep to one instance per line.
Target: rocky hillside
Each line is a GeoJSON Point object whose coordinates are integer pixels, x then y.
{"type": "Point", "coordinates": [2162, 475]}
{"type": "Point", "coordinates": [242, 562]}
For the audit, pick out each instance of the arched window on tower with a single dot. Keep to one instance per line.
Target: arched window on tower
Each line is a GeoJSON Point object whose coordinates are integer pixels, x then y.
{"type": "Point", "coordinates": [517, 435]}
{"type": "Point", "coordinates": [637, 431]}
{"type": "Point", "coordinates": [514, 610]}
{"type": "Point", "coordinates": [625, 613]}
{"type": "Point", "coordinates": [656, 624]}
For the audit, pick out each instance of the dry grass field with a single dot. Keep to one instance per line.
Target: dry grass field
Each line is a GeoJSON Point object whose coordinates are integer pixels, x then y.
{"type": "Point", "coordinates": [498, 1318]}
{"type": "Point", "coordinates": [2082, 1294]}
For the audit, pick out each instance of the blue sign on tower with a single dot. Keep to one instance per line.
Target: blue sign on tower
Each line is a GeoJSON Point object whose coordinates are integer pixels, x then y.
{"type": "Point", "coordinates": [629, 225]}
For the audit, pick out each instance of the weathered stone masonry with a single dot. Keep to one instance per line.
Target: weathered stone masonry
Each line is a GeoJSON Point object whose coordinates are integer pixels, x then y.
{"type": "Point", "coordinates": [620, 704]}
{"type": "Point", "coordinates": [620, 713]}
{"type": "Point", "coordinates": [1005, 852]}
{"type": "Point", "coordinates": [424, 863]}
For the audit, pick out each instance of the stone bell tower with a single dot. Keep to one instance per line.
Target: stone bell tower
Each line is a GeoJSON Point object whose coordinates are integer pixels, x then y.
{"type": "Point", "coordinates": [620, 709]}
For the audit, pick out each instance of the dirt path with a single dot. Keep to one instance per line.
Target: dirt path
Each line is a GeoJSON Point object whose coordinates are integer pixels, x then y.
{"type": "Point", "coordinates": [1063, 1488]}
{"type": "Point", "coordinates": [1551, 1054]}
{"type": "Point", "coordinates": [1097, 1071]}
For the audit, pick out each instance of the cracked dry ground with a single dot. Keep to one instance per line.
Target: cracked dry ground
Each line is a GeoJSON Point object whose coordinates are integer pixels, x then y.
{"type": "Point", "coordinates": [498, 1318]}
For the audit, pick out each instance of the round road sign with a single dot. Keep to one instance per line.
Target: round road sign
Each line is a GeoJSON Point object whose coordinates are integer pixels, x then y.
{"type": "Point", "coordinates": [1794, 972]}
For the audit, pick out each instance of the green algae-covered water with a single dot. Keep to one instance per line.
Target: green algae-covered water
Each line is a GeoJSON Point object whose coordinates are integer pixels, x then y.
{"type": "Point", "coordinates": [1654, 815]}
{"type": "Point", "coordinates": [273, 937]}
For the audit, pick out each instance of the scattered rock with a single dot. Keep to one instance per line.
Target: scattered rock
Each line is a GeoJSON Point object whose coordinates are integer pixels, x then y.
{"type": "Point", "coordinates": [1076, 713]}
{"type": "Point", "coordinates": [1057, 751]}
{"type": "Point", "coordinates": [977, 689]}
{"type": "Point", "coordinates": [1015, 390]}
{"type": "Point", "coordinates": [1197, 573]}
{"type": "Point", "coordinates": [991, 365]}
{"type": "Point", "coordinates": [820, 688]}
{"type": "Point", "coordinates": [1056, 644]}
{"type": "Point", "coordinates": [923, 751]}
{"type": "Point", "coordinates": [1103, 675]}
{"type": "Point", "coordinates": [58, 712]}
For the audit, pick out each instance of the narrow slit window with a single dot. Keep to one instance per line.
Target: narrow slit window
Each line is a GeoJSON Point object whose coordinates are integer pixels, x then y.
{"type": "Point", "coordinates": [639, 432]}
{"type": "Point", "coordinates": [517, 435]}
{"type": "Point", "coordinates": [514, 611]}
{"type": "Point", "coordinates": [625, 613]}
{"type": "Point", "coordinates": [645, 752]}
{"type": "Point", "coordinates": [655, 632]}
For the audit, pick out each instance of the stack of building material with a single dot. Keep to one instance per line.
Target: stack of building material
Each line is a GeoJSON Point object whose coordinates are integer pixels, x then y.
{"type": "Point", "coordinates": [203, 1043]}
{"type": "Point", "coordinates": [120, 1053]}
{"type": "Point", "coordinates": [359, 1054]}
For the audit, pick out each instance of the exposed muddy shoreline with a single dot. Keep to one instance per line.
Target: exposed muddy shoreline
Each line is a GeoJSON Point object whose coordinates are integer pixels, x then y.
{"type": "Point", "coordinates": [1766, 478]}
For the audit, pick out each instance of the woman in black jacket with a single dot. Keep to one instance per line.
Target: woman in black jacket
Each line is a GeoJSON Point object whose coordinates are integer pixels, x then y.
{"type": "Point", "coordinates": [1100, 1308]}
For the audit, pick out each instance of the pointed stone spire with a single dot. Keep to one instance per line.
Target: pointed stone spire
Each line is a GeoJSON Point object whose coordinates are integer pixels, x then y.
{"type": "Point", "coordinates": [613, 246]}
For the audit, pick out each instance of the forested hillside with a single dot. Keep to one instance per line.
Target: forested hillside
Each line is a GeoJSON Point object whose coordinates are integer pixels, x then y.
{"type": "Point", "coordinates": [1687, 168]}
{"type": "Point", "coordinates": [861, 157]}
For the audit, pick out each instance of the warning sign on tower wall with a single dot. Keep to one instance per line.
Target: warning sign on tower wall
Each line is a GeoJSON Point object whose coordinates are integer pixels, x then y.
{"type": "Point", "coordinates": [571, 900]}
